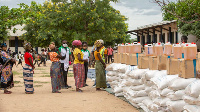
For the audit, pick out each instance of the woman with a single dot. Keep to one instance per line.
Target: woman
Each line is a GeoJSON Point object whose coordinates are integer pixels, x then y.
{"type": "Point", "coordinates": [78, 67]}
{"type": "Point", "coordinates": [100, 67]}
{"type": "Point", "coordinates": [28, 69]}
{"type": "Point", "coordinates": [55, 70]}
{"type": "Point", "coordinates": [6, 70]}
{"type": "Point", "coordinates": [86, 55]}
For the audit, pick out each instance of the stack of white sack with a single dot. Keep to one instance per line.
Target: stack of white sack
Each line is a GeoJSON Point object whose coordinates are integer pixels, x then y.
{"type": "Point", "coordinates": [191, 97]}
{"type": "Point", "coordinates": [117, 77]}
{"type": "Point", "coordinates": [135, 90]}
{"type": "Point", "coordinates": [148, 105]}
{"type": "Point", "coordinates": [175, 93]}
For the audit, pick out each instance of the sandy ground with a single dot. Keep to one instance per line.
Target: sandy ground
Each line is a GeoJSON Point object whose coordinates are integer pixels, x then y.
{"type": "Point", "coordinates": [67, 101]}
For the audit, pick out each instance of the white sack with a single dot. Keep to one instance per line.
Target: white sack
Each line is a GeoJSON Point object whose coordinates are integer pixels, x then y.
{"type": "Point", "coordinates": [118, 89]}
{"type": "Point", "coordinates": [176, 106]}
{"type": "Point", "coordinates": [191, 100]}
{"type": "Point", "coordinates": [148, 89]}
{"type": "Point", "coordinates": [122, 69]}
{"type": "Point", "coordinates": [137, 73]}
{"type": "Point", "coordinates": [161, 101]}
{"type": "Point", "coordinates": [163, 81]}
{"type": "Point", "coordinates": [137, 93]}
{"type": "Point", "coordinates": [143, 107]}
{"type": "Point", "coordinates": [193, 89]}
{"type": "Point", "coordinates": [110, 67]}
{"type": "Point", "coordinates": [191, 108]}
{"type": "Point", "coordinates": [165, 91]}
{"type": "Point", "coordinates": [180, 83]}
{"type": "Point", "coordinates": [111, 73]}
{"type": "Point", "coordinates": [154, 94]}
{"type": "Point", "coordinates": [111, 78]}
{"type": "Point", "coordinates": [152, 73]}
{"type": "Point", "coordinates": [138, 99]}
{"type": "Point", "coordinates": [138, 88]}
{"type": "Point", "coordinates": [119, 94]}
{"type": "Point", "coordinates": [176, 95]}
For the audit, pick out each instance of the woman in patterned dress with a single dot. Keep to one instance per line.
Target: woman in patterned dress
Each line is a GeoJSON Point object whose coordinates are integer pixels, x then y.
{"type": "Point", "coordinates": [78, 67]}
{"type": "Point", "coordinates": [28, 69]}
{"type": "Point", "coordinates": [6, 70]}
{"type": "Point", "coordinates": [55, 71]}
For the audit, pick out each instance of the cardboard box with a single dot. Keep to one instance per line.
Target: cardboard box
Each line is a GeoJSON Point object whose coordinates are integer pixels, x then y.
{"type": "Point", "coordinates": [187, 68]}
{"type": "Point", "coordinates": [153, 63]}
{"type": "Point", "coordinates": [116, 57]}
{"type": "Point", "coordinates": [172, 66]}
{"type": "Point", "coordinates": [123, 58]}
{"type": "Point", "coordinates": [143, 62]}
{"type": "Point", "coordinates": [198, 62]}
{"type": "Point", "coordinates": [162, 60]}
{"type": "Point", "coordinates": [127, 59]}
{"type": "Point", "coordinates": [134, 59]}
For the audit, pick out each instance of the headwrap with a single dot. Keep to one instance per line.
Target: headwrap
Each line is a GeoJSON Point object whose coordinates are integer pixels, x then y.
{"type": "Point", "coordinates": [97, 43]}
{"type": "Point", "coordinates": [102, 42]}
{"type": "Point", "coordinates": [27, 46]}
{"type": "Point", "coordinates": [3, 45]}
{"type": "Point", "coordinates": [76, 43]}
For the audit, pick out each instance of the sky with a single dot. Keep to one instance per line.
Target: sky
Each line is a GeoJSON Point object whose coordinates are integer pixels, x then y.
{"type": "Point", "coordinates": [138, 12]}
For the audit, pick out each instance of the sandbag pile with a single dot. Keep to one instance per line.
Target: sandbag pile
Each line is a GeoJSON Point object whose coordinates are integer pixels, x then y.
{"type": "Point", "coordinates": [191, 97]}
{"type": "Point", "coordinates": [153, 90]}
{"type": "Point", "coordinates": [135, 93]}
{"type": "Point", "coordinates": [117, 77]}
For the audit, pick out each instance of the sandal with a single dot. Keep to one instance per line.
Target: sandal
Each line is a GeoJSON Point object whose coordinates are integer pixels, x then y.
{"type": "Point", "coordinates": [7, 92]}
{"type": "Point", "coordinates": [29, 92]}
{"type": "Point", "coordinates": [56, 92]}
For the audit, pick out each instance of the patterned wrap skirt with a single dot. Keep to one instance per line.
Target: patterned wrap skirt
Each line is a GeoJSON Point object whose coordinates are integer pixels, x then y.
{"type": "Point", "coordinates": [7, 77]}
{"type": "Point", "coordinates": [100, 75]}
{"type": "Point", "coordinates": [79, 75]}
{"type": "Point", "coordinates": [28, 78]}
{"type": "Point", "coordinates": [55, 73]}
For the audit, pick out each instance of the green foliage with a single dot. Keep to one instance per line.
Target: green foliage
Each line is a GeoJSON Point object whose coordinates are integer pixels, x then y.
{"type": "Point", "coordinates": [87, 20]}
{"type": "Point", "coordinates": [8, 18]}
{"type": "Point", "coordinates": [187, 12]}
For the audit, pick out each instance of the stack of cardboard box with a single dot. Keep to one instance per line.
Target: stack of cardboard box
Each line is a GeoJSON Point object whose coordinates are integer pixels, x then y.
{"type": "Point", "coordinates": [185, 68]}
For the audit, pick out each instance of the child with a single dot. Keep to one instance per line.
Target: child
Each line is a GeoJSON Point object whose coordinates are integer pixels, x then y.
{"type": "Point", "coordinates": [78, 67]}
{"type": "Point", "coordinates": [86, 55]}
{"type": "Point", "coordinates": [20, 58]}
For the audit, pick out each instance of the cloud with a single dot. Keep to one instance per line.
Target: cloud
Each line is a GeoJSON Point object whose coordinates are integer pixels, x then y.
{"type": "Point", "coordinates": [14, 3]}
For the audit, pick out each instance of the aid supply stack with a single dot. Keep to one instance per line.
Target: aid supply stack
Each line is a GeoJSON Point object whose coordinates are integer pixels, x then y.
{"type": "Point", "coordinates": [155, 89]}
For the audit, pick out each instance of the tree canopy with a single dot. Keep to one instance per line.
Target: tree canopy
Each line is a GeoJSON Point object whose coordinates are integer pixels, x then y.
{"type": "Point", "coordinates": [87, 20]}
{"type": "Point", "coordinates": [8, 18]}
{"type": "Point", "coordinates": [186, 12]}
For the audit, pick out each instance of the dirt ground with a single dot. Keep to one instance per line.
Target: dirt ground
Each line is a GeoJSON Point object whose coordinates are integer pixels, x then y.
{"type": "Point", "coordinates": [67, 101]}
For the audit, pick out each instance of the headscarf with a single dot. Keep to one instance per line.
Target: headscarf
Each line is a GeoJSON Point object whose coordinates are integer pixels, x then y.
{"type": "Point", "coordinates": [28, 46]}
{"type": "Point", "coordinates": [102, 42]}
{"type": "Point", "coordinates": [76, 43]}
{"type": "Point", "coordinates": [97, 43]}
{"type": "Point", "coordinates": [3, 45]}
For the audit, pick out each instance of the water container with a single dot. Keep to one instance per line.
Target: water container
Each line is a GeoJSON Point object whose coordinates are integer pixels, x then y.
{"type": "Point", "coordinates": [121, 48]}
{"type": "Point", "coordinates": [149, 50]}
{"type": "Point", "coordinates": [127, 47]}
{"type": "Point", "coordinates": [158, 49]}
{"type": "Point", "coordinates": [177, 50]}
{"type": "Point", "coordinates": [168, 49]}
{"type": "Point", "coordinates": [135, 48]}
{"type": "Point", "coordinates": [190, 51]}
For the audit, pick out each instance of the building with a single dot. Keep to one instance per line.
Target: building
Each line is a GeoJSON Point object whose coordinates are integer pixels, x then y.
{"type": "Point", "coordinates": [15, 41]}
{"type": "Point", "coordinates": [165, 31]}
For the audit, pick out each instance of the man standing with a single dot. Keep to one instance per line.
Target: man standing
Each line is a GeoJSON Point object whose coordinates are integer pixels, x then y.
{"type": "Point", "coordinates": [110, 54]}
{"type": "Point", "coordinates": [65, 51]}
